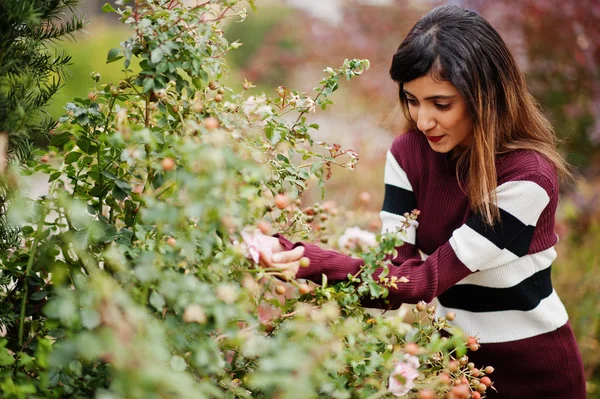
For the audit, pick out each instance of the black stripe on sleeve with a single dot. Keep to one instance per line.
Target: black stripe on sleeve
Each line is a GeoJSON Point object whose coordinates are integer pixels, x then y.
{"type": "Point", "coordinates": [398, 200]}
{"type": "Point", "coordinates": [509, 232]}
{"type": "Point", "coordinates": [524, 296]}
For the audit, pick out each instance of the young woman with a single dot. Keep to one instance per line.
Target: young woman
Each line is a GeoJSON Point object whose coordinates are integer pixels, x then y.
{"type": "Point", "coordinates": [482, 167]}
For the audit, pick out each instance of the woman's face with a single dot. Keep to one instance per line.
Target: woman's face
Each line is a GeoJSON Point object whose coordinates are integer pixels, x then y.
{"type": "Point", "coordinates": [441, 113]}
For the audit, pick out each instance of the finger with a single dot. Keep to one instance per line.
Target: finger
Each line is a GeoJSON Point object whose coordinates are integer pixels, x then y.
{"type": "Point", "coordinates": [265, 259]}
{"type": "Point", "coordinates": [288, 256]}
{"type": "Point", "coordinates": [288, 271]}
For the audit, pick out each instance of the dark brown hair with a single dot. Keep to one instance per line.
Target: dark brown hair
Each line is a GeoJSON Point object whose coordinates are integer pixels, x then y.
{"type": "Point", "coordinates": [459, 46]}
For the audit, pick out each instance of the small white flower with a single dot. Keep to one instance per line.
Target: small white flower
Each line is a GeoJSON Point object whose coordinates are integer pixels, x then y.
{"type": "Point", "coordinates": [194, 313]}
{"type": "Point", "coordinates": [402, 378]}
{"type": "Point", "coordinates": [310, 105]}
{"type": "Point", "coordinates": [355, 238]}
{"type": "Point", "coordinates": [257, 107]}
{"type": "Point", "coordinates": [227, 293]}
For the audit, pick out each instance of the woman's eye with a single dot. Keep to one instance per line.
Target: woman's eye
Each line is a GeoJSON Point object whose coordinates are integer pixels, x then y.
{"type": "Point", "coordinates": [442, 107]}
{"type": "Point", "coordinates": [411, 101]}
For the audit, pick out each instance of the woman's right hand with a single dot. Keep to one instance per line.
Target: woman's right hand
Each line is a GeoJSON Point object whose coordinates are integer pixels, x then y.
{"type": "Point", "coordinates": [285, 262]}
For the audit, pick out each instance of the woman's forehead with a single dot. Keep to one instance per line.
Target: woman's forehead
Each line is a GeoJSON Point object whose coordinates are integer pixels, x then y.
{"type": "Point", "coordinates": [427, 86]}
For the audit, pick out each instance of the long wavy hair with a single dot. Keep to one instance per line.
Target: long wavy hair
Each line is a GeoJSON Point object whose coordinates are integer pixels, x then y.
{"type": "Point", "coordinates": [457, 45]}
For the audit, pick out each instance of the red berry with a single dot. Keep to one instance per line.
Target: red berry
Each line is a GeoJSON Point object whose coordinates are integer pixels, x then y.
{"type": "Point", "coordinates": [168, 164]}
{"type": "Point", "coordinates": [476, 395]}
{"type": "Point", "coordinates": [211, 123]}
{"type": "Point", "coordinates": [421, 306]}
{"type": "Point", "coordinates": [450, 316]}
{"type": "Point", "coordinates": [213, 85]}
{"type": "Point", "coordinates": [309, 211]}
{"type": "Point", "coordinates": [453, 366]}
{"type": "Point", "coordinates": [444, 379]}
{"type": "Point", "coordinates": [489, 370]}
{"type": "Point", "coordinates": [486, 381]}
{"type": "Point", "coordinates": [461, 391]}
{"type": "Point", "coordinates": [218, 98]}
{"type": "Point", "coordinates": [411, 348]}
{"type": "Point", "coordinates": [45, 158]}
{"type": "Point", "coordinates": [280, 289]}
{"type": "Point", "coordinates": [264, 227]}
{"type": "Point", "coordinates": [481, 388]}
{"type": "Point", "coordinates": [474, 347]}
{"type": "Point", "coordinates": [426, 394]}
{"type": "Point", "coordinates": [471, 340]}
{"type": "Point", "coordinates": [171, 241]}
{"type": "Point", "coordinates": [282, 201]}
{"type": "Point", "coordinates": [304, 289]}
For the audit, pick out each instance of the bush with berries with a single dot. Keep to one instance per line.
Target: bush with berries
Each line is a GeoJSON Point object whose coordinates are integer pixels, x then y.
{"type": "Point", "coordinates": [136, 276]}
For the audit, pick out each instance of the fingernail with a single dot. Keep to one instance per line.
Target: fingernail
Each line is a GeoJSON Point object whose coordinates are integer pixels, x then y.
{"type": "Point", "coordinates": [276, 258]}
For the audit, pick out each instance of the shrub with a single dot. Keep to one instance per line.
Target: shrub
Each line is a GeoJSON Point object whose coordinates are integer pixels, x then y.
{"type": "Point", "coordinates": [132, 278]}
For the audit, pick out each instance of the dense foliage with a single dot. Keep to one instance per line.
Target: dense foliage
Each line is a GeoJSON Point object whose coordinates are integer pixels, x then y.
{"type": "Point", "coordinates": [132, 277]}
{"type": "Point", "coordinates": [31, 72]}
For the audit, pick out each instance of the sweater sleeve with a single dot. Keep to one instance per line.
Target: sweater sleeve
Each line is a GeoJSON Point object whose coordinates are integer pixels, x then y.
{"type": "Point", "coordinates": [474, 246]}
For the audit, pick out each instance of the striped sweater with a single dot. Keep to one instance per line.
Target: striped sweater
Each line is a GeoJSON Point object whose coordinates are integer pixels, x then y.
{"type": "Point", "coordinates": [496, 279]}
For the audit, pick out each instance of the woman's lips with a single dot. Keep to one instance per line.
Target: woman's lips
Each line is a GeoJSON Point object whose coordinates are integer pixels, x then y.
{"type": "Point", "coordinates": [434, 139]}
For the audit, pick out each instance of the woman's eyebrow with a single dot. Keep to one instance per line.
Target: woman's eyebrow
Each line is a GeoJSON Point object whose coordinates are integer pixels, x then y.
{"type": "Point", "coordinates": [436, 97]}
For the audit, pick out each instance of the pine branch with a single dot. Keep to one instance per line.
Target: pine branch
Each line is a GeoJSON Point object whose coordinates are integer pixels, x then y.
{"type": "Point", "coordinates": [55, 31]}
{"type": "Point", "coordinates": [32, 70]}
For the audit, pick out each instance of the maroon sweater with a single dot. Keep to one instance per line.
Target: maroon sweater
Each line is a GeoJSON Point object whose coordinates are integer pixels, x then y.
{"type": "Point", "coordinates": [496, 279]}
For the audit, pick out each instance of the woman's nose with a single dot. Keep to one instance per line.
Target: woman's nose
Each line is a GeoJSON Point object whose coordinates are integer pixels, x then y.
{"type": "Point", "coordinates": [425, 121]}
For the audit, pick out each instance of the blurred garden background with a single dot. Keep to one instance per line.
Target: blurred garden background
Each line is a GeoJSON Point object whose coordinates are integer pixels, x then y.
{"type": "Point", "coordinates": [556, 42]}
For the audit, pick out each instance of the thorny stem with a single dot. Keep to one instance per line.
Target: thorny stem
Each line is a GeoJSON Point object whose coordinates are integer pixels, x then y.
{"type": "Point", "coordinates": [315, 100]}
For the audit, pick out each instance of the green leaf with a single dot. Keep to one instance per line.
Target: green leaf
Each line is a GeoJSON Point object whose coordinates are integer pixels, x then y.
{"type": "Point", "coordinates": [72, 157]}
{"type": "Point", "coordinates": [108, 8]}
{"type": "Point", "coordinates": [148, 84]}
{"type": "Point", "coordinates": [113, 55]}
{"type": "Point", "coordinates": [156, 55]}
{"type": "Point", "coordinates": [119, 194]}
{"type": "Point", "coordinates": [54, 176]}
{"type": "Point", "coordinates": [36, 296]}
{"type": "Point", "coordinates": [60, 139]}
{"type": "Point", "coordinates": [6, 359]}
{"type": "Point", "coordinates": [178, 363]}
{"type": "Point", "coordinates": [99, 191]}
{"type": "Point", "coordinates": [157, 301]}
{"type": "Point", "coordinates": [123, 185]}
{"type": "Point", "coordinates": [90, 318]}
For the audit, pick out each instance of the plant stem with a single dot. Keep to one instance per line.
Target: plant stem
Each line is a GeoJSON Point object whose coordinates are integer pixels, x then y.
{"type": "Point", "coordinates": [36, 241]}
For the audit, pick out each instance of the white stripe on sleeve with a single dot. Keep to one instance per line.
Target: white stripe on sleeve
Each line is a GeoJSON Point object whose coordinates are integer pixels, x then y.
{"type": "Point", "coordinates": [394, 174]}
